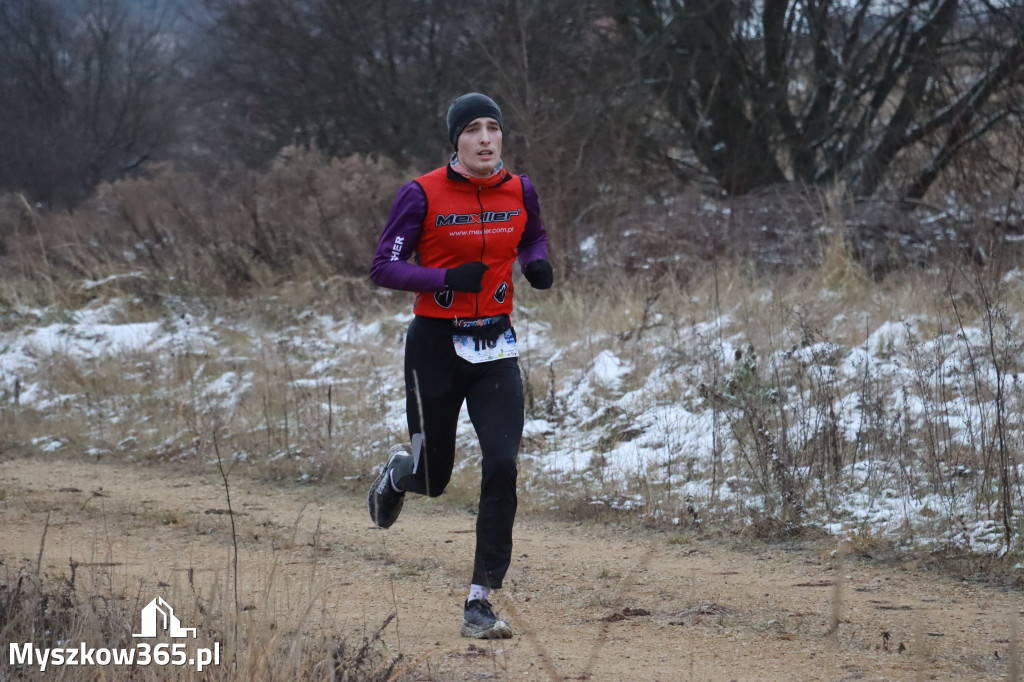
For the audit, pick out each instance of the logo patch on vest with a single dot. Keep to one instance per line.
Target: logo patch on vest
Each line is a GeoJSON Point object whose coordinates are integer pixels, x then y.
{"type": "Point", "coordinates": [500, 294]}
{"type": "Point", "coordinates": [444, 298]}
{"type": "Point", "coordinates": [475, 218]}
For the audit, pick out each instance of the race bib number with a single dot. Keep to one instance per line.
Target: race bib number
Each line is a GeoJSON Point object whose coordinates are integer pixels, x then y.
{"type": "Point", "coordinates": [482, 350]}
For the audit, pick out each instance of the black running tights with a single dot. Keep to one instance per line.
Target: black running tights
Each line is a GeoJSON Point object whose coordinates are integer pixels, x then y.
{"type": "Point", "coordinates": [437, 383]}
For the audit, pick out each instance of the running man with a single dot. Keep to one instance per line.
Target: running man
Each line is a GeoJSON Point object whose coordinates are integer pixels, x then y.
{"type": "Point", "coordinates": [467, 223]}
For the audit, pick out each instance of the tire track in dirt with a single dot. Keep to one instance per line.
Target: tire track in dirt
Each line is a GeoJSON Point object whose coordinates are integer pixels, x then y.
{"type": "Point", "coordinates": [587, 601]}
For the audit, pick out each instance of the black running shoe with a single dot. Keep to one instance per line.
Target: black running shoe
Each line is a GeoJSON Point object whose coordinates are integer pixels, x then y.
{"type": "Point", "coordinates": [385, 502]}
{"type": "Point", "coordinates": [479, 622]}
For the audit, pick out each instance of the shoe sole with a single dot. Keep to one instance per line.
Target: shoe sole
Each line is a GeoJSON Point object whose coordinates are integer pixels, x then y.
{"type": "Point", "coordinates": [500, 630]}
{"type": "Point", "coordinates": [374, 510]}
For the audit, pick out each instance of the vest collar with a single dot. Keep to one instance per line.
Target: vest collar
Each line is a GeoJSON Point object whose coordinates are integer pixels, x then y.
{"type": "Point", "coordinates": [499, 176]}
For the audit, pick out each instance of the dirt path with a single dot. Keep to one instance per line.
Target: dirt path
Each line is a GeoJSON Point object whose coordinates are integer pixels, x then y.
{"type": "Point", "coordinates": [587, 602]}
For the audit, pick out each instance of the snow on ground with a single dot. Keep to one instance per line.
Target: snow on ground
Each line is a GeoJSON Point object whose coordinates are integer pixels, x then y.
{"type": "Point", "coordinates": [907, 408]}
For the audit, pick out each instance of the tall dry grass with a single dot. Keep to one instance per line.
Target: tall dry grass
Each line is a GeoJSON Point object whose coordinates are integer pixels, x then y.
{"type": "Point", "coordinates": [270, 638]}
{"type": "Point", "coordinates": [816, 382]}
{"type": "Point", "coordinates": [168, 232]}
{"type": "Point", "coordinates": [812, 356]}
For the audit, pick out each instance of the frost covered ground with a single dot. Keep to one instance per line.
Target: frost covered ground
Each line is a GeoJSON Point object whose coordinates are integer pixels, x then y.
{"type": "Point", "coordinates": [762, 413]}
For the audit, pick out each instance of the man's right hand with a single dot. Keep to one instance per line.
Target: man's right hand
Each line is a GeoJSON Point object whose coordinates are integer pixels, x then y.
{"type": "Point", "coordinates": [468, 277]}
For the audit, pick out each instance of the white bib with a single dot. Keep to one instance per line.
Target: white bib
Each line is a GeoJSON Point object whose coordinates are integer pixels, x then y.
{"type": "Point", "coordinates": [481, 350]}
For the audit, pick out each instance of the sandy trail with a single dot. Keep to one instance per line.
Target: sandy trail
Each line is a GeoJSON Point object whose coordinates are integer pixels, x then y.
{"type": "Point", "coordinates": [586, 601]}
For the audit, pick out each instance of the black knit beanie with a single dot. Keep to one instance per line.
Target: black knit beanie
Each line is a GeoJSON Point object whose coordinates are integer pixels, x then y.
{"type": "Point", "coordinates": [466, 109]}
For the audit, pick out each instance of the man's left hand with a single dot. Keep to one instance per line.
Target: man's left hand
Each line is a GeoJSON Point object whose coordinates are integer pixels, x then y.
{"type": "Point", "coordinates": [539, 274]}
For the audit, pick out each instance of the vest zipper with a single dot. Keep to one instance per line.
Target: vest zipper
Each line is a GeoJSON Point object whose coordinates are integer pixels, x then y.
{"type": "Point", "coordinates": [483, 241]}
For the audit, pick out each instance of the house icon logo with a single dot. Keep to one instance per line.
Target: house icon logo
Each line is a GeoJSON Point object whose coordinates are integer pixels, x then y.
{"type": "Point", "coordinates": [159, 616]}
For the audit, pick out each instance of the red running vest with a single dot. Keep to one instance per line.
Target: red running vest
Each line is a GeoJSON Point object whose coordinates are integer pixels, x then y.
{"type": "Point", "coordinates": [471, 219]}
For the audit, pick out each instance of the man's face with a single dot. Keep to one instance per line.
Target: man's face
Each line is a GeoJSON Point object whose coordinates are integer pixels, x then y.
{"type": "Point", "coordinates": [479, 146]}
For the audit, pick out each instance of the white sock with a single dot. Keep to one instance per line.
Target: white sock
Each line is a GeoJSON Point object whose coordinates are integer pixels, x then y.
{"type": "Point", "coordinates": [479, 592]}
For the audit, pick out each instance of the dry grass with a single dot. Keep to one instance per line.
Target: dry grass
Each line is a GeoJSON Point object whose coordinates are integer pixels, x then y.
{"type": "Point", "coordinates": [271, 638]}
{"type": "Point", "coordinates": [278, 381]}
{"type": "Point", "coordinates": [287, 400]}
{"type": "Point", "coordinates": [257, 284]}
{"type": "Point", "coordinates": [170, 232]}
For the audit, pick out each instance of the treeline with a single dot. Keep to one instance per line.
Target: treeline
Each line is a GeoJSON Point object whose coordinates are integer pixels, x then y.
{"type": "Point", "coordinates": [604, 99]}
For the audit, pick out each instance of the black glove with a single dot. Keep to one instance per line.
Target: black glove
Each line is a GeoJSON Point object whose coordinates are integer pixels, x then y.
{"type": "Point", "coordinates": [466, 277]}
{"type": "Point", "coordinates": [539, 274]}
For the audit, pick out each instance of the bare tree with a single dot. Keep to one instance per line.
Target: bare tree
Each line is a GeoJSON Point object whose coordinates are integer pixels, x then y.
{"type": "Point", "coordinates": [376, 77]}
{"type": "Point", "coordinates": [360, 76]}
{"type": "Point", "coordinates": [87, 91]}
{"type": "Point", "coordinates": [821, 91]}
{"type": "Point", "coordinates": [576, 108]}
